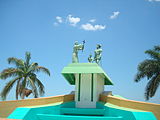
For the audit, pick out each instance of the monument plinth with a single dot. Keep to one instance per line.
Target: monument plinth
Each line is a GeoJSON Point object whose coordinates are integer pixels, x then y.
{"type": "Point", "coordinates": [89, 80]}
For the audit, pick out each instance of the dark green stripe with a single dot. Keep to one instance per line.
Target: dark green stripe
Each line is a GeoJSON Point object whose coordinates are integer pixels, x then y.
{"type": "Point", "coordinates": [79, 87]}
{"type": "Point", "coordinates": [92, 87]}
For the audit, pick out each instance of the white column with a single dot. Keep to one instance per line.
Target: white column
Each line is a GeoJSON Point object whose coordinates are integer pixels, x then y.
{"type": "Point", "coordinates": [84, 81]}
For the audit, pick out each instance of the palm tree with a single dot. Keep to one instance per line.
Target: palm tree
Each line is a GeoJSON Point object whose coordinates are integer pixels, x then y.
{"type": "Point", "coordinates": [150, 68]}
{"type": "Point", "coordinates": [24, 76]}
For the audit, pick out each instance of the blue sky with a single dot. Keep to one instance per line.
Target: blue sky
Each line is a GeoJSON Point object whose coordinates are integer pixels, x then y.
{"type": "Point", "coordinates": [48, 29]}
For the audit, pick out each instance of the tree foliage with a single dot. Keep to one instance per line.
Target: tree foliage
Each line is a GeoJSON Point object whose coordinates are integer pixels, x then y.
{"type": "Point", "coordinates": [23, 75]}
{"type": "Point", "coordinates": [150, 68]}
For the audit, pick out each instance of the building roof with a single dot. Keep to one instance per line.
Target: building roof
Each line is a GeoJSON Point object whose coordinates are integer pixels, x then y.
{"type": "Point", "coordinates": [69, 71]}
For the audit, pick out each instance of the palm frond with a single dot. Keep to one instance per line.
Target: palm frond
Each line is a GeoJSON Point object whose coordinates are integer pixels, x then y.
{"type": "Point", "coordinates": [153, 54]}
{"type": "Point", "coordinates": [8, 87]}
{"type": "Point", "coordinates": [147, 68]}
{"type": "Point", "coordinates": [32, 67]}
{"type": "Point", "coordinates": [33, 86]}
{"type": "Point", "coordinates": [10, 72]}
{"type": "Point", "coordinates": [16, 61]}
{"type": "Point", "coordinates": [157, 48]}
{"type": "Point", "coordinates": [27, 57]}
{"type": "Point", "coordinates": [152, 86]}
{"type": "Point", "coordinates": [40, 86]}
{"type": "Point", "coordinates": [42, 69]}
{"type": "Point", "coordinates": [139, 76]}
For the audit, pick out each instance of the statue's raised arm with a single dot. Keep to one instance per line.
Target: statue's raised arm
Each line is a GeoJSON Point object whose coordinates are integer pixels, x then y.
{"type": "Point", "coordinates": [76, 48]}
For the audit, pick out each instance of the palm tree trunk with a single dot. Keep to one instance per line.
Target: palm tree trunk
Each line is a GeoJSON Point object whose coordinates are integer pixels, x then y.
{"type": "Point", "coordinates": [17, 89]}
{"type": "Point", "coordinates": [23, 95]}
{"type": "Point", "coordinates": [23, 88]}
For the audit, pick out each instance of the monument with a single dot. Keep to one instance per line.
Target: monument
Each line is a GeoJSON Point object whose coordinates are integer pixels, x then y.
{"type": "Point", "coordinates": [89, 78]}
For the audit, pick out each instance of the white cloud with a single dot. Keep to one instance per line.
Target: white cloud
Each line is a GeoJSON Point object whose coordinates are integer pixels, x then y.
{"type": "Point", "coordinates": [90, 27]}
{"type": "Point", "coordinates": [73, 20]}
{"type": "Point", "coordinates": [115, 15]}
{"type": "Point", "coordinates": [92, 20]}
{"type": "Point", "coordinates": [59, 19]}
{"type": "Point", "coordinates": [154, 0]}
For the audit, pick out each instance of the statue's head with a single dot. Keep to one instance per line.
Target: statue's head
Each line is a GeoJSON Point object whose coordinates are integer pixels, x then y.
{"type": "Point", "coordinates": [98, 46]}
{"type": "Point", "coordinates": [76, 43]}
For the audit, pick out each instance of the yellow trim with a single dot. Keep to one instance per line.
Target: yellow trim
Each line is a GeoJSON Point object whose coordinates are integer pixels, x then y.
{"type": "Point", "coordinates": [137, 105]}
{"type": "Point", "coordinates": [57, 103]}
{"type": "Point", "coordinates": [6, 107]}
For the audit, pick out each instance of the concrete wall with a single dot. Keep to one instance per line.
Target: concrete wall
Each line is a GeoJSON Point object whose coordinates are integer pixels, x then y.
{"type": "Point", "coordinates": [151, 107]}
{"type": "Point", "coordinates": [88, 98]}
{"type": "Point", "coordinates": [76, 87]}
{"type": "Point", "coordinates": [6, 107]}
{"type": "Point", "coordinates": [99, 86]}
{"type": "Point", "coordinates": [85, 92]}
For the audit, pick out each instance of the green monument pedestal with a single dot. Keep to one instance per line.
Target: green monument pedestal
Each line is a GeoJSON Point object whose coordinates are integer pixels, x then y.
{"type": "Point", "coordinates": [89, 80]}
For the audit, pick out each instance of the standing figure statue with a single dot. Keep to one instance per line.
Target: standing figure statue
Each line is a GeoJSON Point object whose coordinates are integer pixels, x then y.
{"type": "Point", "coordinates": [98, 54]}
{"type": "Point", "coordinates": [76, 48]}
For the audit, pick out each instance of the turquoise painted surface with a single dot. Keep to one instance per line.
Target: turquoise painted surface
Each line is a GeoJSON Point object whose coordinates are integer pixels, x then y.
{"type": "Point", "coordinates": [64, 117]}
{"type": "Point", "coordinates": [30, 113]}
{"type": "Point", "coordinates": [82, 111]}
{"type": "Point", "coordinates": [68, 71]}
{"type": "Point", "coordinates": [102, 112]}
{"type": "Point", "coordinates": [19, 113]}
{"type": "Point", "coordinates": [139, 115]}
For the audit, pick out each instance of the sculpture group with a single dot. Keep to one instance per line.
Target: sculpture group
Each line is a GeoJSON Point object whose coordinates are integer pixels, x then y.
{"type": "Point", "coordinates": [97, 53]}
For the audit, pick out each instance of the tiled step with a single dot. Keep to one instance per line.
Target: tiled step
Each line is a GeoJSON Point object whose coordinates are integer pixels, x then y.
{"type": "Point", "coordinates": [68, 117]}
